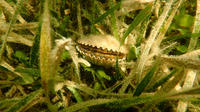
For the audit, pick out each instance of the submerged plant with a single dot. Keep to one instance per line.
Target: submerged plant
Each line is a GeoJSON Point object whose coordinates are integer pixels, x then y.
{"type": "Point", "coordinates": [95, 55]}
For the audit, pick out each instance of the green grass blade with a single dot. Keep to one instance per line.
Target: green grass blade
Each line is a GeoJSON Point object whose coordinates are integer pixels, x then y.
{"type": "Point", "coordinates": [77, 97]}
{"type": "Point", "coordinates": [76, 94]}
{"type": "Point", "coordinates": [119, 74]}
{"type": "Point", "coordinates": [113, 22]}
{"type": "Point", "coordinates": [110, 11]}
{"type": "Point", "coordinates": [112, 103]}
{"type": "Point", "coordinates": [101, 80]}
{"type": "Point", "coordinates": [31, 71]}
{"type": "Point", "coordinates": [35, 49]}
{"type": "Point", "coordinates": [45, 49]}
{"type": "Point", "coordinates": [29, 74]}
{"type": "Point", "coordinates": [170, 85]}
{"type": "Point", "coordinates": [7, 102]}
{"type": "Point", "coordinates": [138, 19]}
{"type": "Point", "coordinates": [21, 56]}
{"type": "Point", "coordinates": [103, 74]}
{"type": "Point", "coordinates": [184, 36]}
{"type": "Point", "coordinates": [13, 20]}
{"type": "Point", "coordinates": [162, 81]}
{"type": "Point", "coordinates": [25, 102]}
{"type": "Point", "coordinates": [141, 86]}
